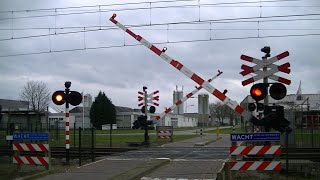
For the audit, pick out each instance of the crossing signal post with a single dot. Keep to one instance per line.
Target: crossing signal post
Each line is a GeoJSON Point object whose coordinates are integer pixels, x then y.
{"type": "Point", "coordinates": [273, 115]}
{"type": "Point", "coordinates": [68, 97]}
{"type": "Point", "coordinates": [144, 98]}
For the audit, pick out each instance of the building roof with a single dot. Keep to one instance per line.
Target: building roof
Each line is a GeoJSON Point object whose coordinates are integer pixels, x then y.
{"type": "Point", "coordinates": [118, 109]}
{"type": "Point", "coordinates": [80, 110]}
{"type": "Point", "coordinates": [14, 104]}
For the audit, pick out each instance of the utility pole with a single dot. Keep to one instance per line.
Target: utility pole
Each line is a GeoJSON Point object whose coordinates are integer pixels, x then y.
{"type": "Point", "coordinates": [266, 50]}
{"type": "Point", "coordinates": [67, 85]}
{"type": "Point", "coordinates": [146, 135]}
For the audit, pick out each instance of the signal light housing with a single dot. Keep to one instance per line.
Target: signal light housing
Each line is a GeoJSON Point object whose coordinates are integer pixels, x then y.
{"type": "Point", "coordinates": [75, 98]}
{"type": "Point", "coordinates": [251, 107]}
{"type": "Point", "coordinates": [59, 97]}
{"type": "Point", "coordinates": [258, 91]}
{"type": "Point", "coordinates": [278, 91]}
{"type": "Point", "coordinates": [152, 109]}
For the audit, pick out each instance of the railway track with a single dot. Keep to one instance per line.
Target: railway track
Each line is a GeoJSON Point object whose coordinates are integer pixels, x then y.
{"type": "Point", "coordinates": [57, 152]}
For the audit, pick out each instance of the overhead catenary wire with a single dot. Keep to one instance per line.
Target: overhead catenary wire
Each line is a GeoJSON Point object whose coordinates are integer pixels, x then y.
{"type": "Point", "coordinates": [169, 42]}
{"type": "Point", "coordinates": [84, 29]}
{"type": "Point", "coordinates": [224, 20]}
{"type": "Point", "coordinates": [99, 10]}
{"type": "Point", "coordinates": [92, 6]}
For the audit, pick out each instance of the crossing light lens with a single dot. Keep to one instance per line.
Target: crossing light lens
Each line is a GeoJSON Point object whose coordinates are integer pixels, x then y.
{"type": "Point", "coordinates": [259, 91]}
{"type": "Point", "coordinates": [256, 92]}
{"type": "Point", "coordinates": [59, 98]}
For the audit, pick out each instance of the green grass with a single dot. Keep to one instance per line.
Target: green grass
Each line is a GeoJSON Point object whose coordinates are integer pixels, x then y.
{"type": "Point", "coordinates": [117, 140]}
{"type": "Point", "coordinates": [57, 138]}
{"type": "Point", "coordinates": [307, 138]}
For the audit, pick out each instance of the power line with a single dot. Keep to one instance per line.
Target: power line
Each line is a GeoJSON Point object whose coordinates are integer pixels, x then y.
{"type": "Point", "coordinates": [92, 6]}
{"type": "Point", "coordinates": [160, 7]}
{"type": "Point", "coordinates": [169, 42]}
{"type": "Point", "coordinates": [85, 29]}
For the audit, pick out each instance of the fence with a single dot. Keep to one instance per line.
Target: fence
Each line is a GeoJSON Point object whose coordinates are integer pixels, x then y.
{"type": "Point", "coordinates": [304, 137]}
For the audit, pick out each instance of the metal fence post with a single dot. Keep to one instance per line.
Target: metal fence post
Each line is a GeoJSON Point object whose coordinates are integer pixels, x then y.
{"type": "Point", "coordinates": [287, 147]}
{"type": "Point", "coordinates": [92, 144]}
{"type": "Point", "coordinates": [79, 147]}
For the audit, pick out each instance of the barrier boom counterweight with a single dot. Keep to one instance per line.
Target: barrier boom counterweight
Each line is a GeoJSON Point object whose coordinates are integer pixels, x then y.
{"type": "Point", "coordinates": [186, 71]}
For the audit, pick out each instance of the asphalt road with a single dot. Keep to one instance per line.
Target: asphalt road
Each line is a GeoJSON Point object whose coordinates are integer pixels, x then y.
{"type": "Point", "coordinates": [184, 160]}
{"type": "Point", "coordinates": [177, 153]}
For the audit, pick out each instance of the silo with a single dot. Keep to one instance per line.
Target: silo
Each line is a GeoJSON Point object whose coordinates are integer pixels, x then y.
{"type": "Point", "coordinates": [203, 109]}
{"type": "Point", "coordinates": [87, 100]}
{"type": "Point", "coordinates": [178, 95]}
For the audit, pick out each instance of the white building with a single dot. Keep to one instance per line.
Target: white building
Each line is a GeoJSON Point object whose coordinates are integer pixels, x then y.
{"type": "Point", "coordinates": [125, 118]}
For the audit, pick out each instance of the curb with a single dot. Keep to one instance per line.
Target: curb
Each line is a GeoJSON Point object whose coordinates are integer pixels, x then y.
{"type": "Point", "coordinates": [140, 171]}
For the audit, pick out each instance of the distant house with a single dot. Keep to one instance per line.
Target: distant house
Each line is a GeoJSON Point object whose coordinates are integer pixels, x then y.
{"type": "Point", "coordinates": [17, 116]}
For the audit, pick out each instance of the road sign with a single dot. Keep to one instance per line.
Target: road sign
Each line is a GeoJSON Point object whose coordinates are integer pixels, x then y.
{"type": "Point", "coordinates": [262, 64]}
{"type": "Point", "coordinates": [265, 136]}
{"type": "Point", "coordinates": [31, 136]}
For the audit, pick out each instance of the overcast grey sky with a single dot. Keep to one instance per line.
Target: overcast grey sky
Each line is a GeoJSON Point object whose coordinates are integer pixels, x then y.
{"type": "Point", "coordinates": [121, 72]}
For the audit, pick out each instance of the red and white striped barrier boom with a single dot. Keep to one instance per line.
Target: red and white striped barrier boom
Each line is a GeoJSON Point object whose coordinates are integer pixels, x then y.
{"type": "Point", "coordinates": [186, 71]}
{"type": "Point", "coordinates": [30, 147]}
{"type": "Point", "coordinates": [255, 150]}
{"type": "Point", "coordinates": [255, 165]}
{"type": "Point", "coordinates": [31, 160]}
{"type": "Point", "coordinates": [176, 104]}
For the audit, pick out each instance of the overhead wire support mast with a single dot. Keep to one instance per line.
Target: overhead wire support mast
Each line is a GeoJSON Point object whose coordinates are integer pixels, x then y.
{"type": "Point", "coordinates": [176, 64]}
{"type": "Point", "coordinates": [176, 104]}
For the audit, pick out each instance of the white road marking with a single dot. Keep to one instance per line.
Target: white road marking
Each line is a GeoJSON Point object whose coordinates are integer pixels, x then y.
{"type": "Point", "coordinates": [93, 163]}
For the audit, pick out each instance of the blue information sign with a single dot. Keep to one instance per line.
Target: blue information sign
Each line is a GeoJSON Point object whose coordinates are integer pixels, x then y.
{"type": "Point", "coordinates": [264, 136]}
{"type": "Point", "coordinates": [30, 136]}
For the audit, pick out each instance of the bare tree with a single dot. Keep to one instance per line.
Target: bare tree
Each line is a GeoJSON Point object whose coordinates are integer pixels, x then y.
{"type": "Point", "coordinates": [222, 111]}
{"type": "Point", "coordinates": [218, 110]}
{"type": "Point", "coordinates": [37, 94]}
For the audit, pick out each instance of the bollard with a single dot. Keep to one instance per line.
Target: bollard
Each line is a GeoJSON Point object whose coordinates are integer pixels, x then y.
{"type": "Point", "coordinates": [217, 131]}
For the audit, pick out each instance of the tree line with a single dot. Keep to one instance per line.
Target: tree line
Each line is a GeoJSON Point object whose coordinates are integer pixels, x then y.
{"type": "Point", "coordinates": [221, 112]}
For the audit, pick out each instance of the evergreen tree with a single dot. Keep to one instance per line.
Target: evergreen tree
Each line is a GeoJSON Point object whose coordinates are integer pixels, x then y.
{"type": "Point", "coordinates": [102, 111]}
